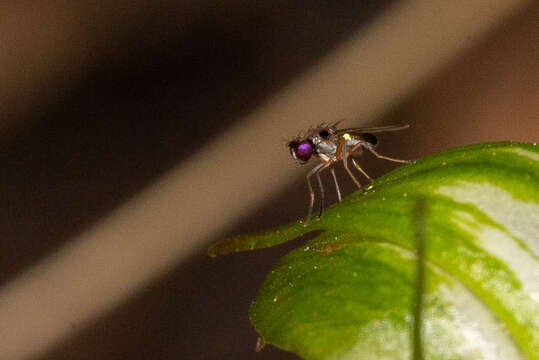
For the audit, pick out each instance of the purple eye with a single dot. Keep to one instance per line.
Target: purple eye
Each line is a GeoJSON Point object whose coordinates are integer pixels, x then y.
{"type": "Point", "coordinates": [301, 151]}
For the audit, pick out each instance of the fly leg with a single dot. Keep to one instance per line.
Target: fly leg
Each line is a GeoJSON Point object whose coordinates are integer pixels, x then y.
{"type": "Point", "coordinates": [311, 191]}
{"type": "Point", "coordinates": [322, 195]}
{"type": "Point", "coordinates": [371, 149]}
{"type": "Point", "coordinates": [336, 183]}
{"type": "Point", "coordinates": [361, 170]}
{"type": "Point", "coordinates": [322, 192]}
{"type": "Point", "coordinates": [346, 154]}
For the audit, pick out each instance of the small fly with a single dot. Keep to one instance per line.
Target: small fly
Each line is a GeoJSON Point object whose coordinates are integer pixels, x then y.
{"type": "Point", "coordinates": [330, 145]}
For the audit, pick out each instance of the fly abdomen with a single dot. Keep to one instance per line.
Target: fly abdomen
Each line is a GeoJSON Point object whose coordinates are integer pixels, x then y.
{"type": "Point", "coordinates": [369, 138]}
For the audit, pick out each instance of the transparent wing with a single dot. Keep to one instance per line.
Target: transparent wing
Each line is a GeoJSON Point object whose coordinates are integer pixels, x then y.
{"type": "Point", "coordinates": [370, 130]}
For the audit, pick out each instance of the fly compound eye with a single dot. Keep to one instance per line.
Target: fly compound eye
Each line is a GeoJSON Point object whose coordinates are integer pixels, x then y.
{"type": "Point", "coordinates": [301, 151]}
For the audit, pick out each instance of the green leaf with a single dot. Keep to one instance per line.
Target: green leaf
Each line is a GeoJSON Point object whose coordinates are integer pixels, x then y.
{"type": "Point", "coordinates": [349, 293]}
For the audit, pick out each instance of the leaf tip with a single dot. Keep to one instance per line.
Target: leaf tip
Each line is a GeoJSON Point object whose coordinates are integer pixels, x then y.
{"type": "Point", "coordinates": [260, 343]}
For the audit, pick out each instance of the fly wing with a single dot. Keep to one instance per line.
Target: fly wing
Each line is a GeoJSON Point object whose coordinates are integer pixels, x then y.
{"type": "Point", "coordinates": [374, 129]}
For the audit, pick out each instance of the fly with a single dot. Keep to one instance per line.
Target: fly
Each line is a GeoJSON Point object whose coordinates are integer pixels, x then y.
{"type": "Point", "coordinates": [331, 145]}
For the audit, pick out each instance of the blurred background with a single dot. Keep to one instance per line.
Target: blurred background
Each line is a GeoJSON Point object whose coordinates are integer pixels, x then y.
{"type": "Point", "coordinates": [134, 134]}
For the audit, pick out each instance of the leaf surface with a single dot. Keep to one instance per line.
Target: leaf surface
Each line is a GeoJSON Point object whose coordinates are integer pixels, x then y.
{"type": "Point", "coordinates": [349, 293]}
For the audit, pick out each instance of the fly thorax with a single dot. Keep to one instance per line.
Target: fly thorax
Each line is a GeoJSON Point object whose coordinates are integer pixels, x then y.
{"type": "Point", "coordinates": [326, 148]}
